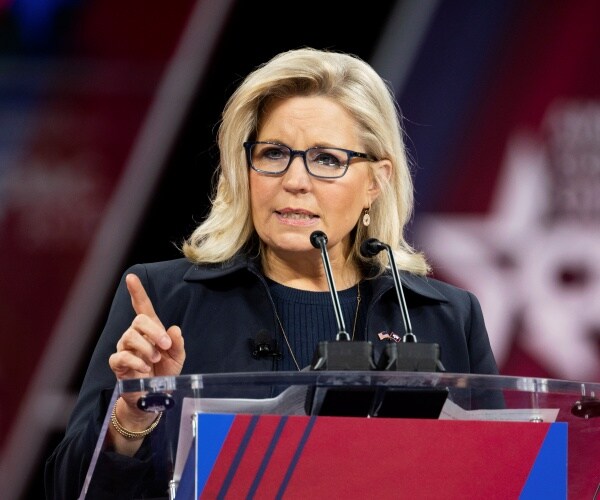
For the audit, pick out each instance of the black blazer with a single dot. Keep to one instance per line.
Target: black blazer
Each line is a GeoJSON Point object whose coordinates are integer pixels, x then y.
{"type": "Point", "coordinates": [219, 308]}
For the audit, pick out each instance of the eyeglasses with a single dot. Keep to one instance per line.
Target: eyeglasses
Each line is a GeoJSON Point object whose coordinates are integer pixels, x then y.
{"type": "Point", "coordinates": [325, 163]}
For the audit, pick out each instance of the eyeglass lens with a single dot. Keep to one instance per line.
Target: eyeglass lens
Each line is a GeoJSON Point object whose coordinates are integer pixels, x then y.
{"type": "Point", "coordinates": [323, 162]}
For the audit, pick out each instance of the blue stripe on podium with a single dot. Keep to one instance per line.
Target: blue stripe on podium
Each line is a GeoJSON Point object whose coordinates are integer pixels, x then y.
{"type": "Point", "coordinates": [548, 476]}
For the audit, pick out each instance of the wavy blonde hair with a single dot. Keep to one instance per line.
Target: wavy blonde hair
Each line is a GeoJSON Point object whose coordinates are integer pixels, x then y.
{"type": "Point", "coordinates": [354, 85]}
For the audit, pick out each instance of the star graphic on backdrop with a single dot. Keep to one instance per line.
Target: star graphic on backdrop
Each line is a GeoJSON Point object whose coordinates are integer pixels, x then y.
{"type": "Point", "coordinates": [522, 269]}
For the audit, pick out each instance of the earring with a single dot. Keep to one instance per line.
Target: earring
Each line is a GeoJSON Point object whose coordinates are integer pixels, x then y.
{"type": "Point", "coordinates": [366, 218]}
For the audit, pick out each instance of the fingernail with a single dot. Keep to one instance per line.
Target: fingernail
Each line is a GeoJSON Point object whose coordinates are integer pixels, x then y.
{"type": "Point", "coordinates": [164, 342]}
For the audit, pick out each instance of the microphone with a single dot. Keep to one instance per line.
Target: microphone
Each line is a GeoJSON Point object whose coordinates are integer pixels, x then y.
{"type": "Point", "coordinates": [264, 346]}
{"type": "Point", "coordinates": [342, 354]}
{"type": "Point", "coordinates": [370, 248]}
{"type": "Point", "coordinates": [318, 239]}
{"type": "Point", "coordinates": [407, 355]}
{"type": "Point", "coordinates": [358, 356]}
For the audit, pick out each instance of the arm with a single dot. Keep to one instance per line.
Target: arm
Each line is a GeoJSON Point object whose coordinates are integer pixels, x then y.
{"type": "Point", "coordinates": [146, 349]}
{"type": "Point", "coordinates": [133, 329]}
{"type": "Point", "coordinates": [480, 351]}
{"type": "Point", "coordinates": [482, 359]}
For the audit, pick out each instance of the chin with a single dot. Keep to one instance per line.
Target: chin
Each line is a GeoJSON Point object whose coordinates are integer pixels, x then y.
{"type": "Point", "coordinates": [292, 243]}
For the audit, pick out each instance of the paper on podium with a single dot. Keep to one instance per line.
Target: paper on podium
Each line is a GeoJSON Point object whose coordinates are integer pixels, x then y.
{"type": "Point", "coordinates": [451, 411]}
{"type": "Point", "coordinates": [289, 402]}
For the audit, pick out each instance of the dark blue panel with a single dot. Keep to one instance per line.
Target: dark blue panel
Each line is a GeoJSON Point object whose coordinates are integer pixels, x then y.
{"type": "Point", "coordinates": [446, 81]}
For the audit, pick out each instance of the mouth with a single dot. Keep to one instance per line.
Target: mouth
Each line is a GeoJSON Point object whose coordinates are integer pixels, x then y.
{"type": "Point", "coordinates": [296, 216]}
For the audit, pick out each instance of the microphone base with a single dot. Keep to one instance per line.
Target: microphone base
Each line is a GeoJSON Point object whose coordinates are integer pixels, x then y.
{"type": "Point", "coordinates": [343, 355]}
{"type": "Point", "coordinates": [411, 357]}
{"type": "Point", "coordinates": [367, 401]}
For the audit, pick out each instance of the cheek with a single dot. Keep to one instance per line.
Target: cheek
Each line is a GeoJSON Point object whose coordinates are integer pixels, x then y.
{"type": "Point", "coordinates": [257, 191]}
{"type": "Point", "coordinates": [346, 204]}
{"type": "Point", "coordinates": [261, 194]}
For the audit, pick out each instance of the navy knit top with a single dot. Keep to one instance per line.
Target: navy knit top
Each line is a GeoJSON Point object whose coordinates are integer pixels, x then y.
{"type": "Point", "coordinates": [308, 318]}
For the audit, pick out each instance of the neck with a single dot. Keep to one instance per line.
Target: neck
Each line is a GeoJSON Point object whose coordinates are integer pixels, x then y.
{"type": "Point", "coordinates": [307, 272]}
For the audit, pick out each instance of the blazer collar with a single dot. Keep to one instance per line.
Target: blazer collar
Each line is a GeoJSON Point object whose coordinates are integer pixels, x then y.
{"type": "Point", "coordinates": [420, 285]}
{"type": "Point", "coordinates": [416, 284]}
{"type": "Point", "coordinates": [214, 271]}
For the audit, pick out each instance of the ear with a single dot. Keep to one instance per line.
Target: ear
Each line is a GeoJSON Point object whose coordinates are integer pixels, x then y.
{"type": "Point", "coordinates": [380, 174]}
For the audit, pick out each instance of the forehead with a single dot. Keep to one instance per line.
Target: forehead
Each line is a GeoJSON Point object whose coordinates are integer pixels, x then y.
{"type": "Point", "coordinates": [307, 115]}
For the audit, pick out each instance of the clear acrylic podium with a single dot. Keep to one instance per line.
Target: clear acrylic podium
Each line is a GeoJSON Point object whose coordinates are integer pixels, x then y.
{"type": "Point", "coordinates": [416, 405]}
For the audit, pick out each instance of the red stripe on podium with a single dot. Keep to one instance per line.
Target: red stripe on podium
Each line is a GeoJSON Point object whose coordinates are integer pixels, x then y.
{"type": "Point", "coordinates": [392, 459]}
{"type": "Point", "coordinates": [267, 456]}
{"type": "Point", "coordinates": [375, 458]}
{"type": "Point", "coordinates": [280, 461]}
{"type": "Point", "coordinates": [253, 456]}
{"type": "Point", "coordinates": [225, 459]}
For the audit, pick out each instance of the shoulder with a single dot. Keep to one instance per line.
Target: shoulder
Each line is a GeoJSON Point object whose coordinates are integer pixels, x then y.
{"type": "Point", "coordinates": [428, 284]}
{"type": "Point", "coordinates": [429, 288]}
{"type": "Point", "coordinates": [180, 272]}
{"type": "Point", "coordinates": [163, 271]}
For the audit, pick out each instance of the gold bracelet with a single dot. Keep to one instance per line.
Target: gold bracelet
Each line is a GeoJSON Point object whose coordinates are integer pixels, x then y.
{"type": "Point", "coordinates": [131, 434]}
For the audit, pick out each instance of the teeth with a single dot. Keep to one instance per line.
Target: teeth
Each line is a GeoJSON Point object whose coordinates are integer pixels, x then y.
{"type": "Point", "coordinates": [296, 216]}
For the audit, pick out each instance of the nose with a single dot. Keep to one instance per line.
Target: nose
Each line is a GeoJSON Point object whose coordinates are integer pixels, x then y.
{"type": "Point", "coordinates": [296, 177]}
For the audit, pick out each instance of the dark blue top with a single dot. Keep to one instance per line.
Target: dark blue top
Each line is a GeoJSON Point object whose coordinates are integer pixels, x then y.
{"type": "Point", "coordinates": [309, 318]}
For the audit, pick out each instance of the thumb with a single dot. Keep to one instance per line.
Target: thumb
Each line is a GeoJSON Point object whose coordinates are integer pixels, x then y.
{"type": "Point", "coordinates": [139, 298]}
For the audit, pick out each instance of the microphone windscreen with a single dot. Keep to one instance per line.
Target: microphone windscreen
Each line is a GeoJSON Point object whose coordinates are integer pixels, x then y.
{"type": "Point", "coordinates": [263, 345]}
{"type": "Point", "coordinates": [263, 337]}
{"type": "Point", "coordinates": [371, 247]}
{"type": "Point", "coordinates": [316, 237]}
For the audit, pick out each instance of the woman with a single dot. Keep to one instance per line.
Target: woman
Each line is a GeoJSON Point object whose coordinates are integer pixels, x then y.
{"type": "Point", "coordinates": [310, 141]}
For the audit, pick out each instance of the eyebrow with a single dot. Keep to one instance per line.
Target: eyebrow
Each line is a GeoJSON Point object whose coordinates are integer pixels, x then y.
{"type": "Point", "coordinates": [319, 145]}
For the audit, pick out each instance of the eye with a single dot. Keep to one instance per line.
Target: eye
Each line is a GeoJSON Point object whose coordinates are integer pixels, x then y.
{"type": "Point", "coordinates": [327, 157]}
{"type": "Point", "coordinates": [272, 153]}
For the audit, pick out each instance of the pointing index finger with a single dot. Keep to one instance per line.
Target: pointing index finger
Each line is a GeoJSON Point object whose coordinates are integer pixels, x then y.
{"type": "Point", "coordinates": [139, 298]}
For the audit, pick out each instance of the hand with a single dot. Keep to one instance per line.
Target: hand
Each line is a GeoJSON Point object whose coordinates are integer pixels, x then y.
{"type": "Point", "coordinates": [147, 349]}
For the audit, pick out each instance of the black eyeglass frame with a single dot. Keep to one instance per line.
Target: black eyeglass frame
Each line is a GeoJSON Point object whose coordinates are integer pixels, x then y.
{"type": "Point", "coordinates": [298, 152]}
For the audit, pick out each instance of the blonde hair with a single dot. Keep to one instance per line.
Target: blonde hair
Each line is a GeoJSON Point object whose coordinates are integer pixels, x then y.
{"type": "Point", "coordinates": [354, 85]}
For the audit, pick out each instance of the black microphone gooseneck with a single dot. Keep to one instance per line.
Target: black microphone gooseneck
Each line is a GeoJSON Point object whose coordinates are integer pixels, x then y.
{"type": "Point", "coordinates": [407, 355]}
{"type": "Point", "coordinates": [370, 248]}
{"type": "Point", "coordinates": [318, 239]}
{"type": "Point", "coordinates": [343, 353]}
